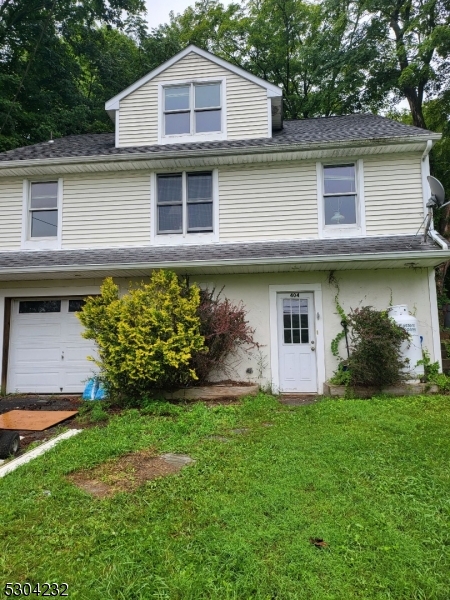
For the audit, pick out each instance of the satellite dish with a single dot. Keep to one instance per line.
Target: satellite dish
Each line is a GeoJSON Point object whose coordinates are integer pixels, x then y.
{"type": "Point", "coordinates": [437, 191]}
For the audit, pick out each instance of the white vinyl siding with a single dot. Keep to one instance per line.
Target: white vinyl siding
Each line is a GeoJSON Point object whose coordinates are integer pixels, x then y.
{"type": "Point", "coordinates": [246, 103]}
{"type": "Point", "coordinates": [106, 210]}
{"type": "Point", "coordinates": [272, 202]}
{"type": "Point", "coordinates": [11, 199]}
{"type": "Point", "coordinates": [393, 194]}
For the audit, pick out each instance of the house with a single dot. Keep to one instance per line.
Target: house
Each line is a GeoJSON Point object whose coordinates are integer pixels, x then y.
{"type": "Point", "coordinates": [203, 176]}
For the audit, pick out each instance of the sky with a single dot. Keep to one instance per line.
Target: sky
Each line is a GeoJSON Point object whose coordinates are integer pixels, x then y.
{"type": "Point", "coordinates": [158, 11]}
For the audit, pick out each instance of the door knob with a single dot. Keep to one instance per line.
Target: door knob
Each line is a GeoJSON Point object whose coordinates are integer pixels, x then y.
{"type": "Point", "coordinates": [313, 347]}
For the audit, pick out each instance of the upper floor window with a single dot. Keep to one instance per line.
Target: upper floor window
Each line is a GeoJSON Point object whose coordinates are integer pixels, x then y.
{"type": "Point", "coordinates": [184, 203]}
{"type": "Point", "coordinates": [339, 195]}
{"type": "Point", "coordinates": [194, 110]}
{"type": "Point", "coordinates": [43, 210]}
{"type": "Point", "coordinates": [41, 214]}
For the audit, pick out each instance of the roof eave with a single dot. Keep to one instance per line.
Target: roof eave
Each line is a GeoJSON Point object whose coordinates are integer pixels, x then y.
{"type": "Point", "coordinates": [174, 154]}
{"type": "Point", "coordinates": [412, 259]}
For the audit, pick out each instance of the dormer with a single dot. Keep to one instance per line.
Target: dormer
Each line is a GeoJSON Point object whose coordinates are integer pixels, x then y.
{"type": "Point", "coordinates": [195, 97]}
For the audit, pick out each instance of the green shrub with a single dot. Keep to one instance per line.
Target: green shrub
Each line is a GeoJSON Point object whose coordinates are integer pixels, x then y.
{"type": "Point", "coordinates": [341, 376]}
{"type": "Point", "coordinates": [375, 358]}
{"type": "Point", "coordinates": [432, 373]}
{"type": "Point", "coordinates": [146, 338]}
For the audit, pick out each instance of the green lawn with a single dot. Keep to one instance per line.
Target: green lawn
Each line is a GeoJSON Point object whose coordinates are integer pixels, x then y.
{"type": "Point", "coordinates": [369, 477]}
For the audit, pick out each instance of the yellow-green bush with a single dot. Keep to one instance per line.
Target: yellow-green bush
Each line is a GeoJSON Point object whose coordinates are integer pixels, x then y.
{"type": "Point", "coordinates": [147, 337]}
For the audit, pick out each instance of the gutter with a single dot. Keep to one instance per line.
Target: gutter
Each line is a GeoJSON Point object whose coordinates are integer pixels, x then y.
{"type": "Point", "coordinates": [216, 152]}
{"type": "Point", "coordinates": [415, 255]}
{"type": "Point", "coordinates": [436, 237]}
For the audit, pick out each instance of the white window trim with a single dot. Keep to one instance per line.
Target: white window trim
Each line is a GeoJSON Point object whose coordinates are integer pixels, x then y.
{"type": "Point", "coordinates": [208, 136]}
{"type": "Point", "coordinates": [353, 230]}
{"type": "Point", "coordinates": [316, 289]}
{"type": "Point", "coordinates": [175, 239]}
{"type": "Point", "coordinates": [44, 243]}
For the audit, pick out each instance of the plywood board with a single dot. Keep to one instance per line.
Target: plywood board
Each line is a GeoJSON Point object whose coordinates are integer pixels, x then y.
{"type": "Point", "coordinates": [34, 420]}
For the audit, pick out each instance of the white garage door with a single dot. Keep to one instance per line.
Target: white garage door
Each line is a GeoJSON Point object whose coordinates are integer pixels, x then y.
{"type": "Point", "coordinates": [46, 352]}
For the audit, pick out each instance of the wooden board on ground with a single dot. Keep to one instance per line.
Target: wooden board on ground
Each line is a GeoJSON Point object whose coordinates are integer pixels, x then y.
{"type": "Point", "coordinates": [34, 420]}
{"type": "Point", "coordinates": [213, 392]}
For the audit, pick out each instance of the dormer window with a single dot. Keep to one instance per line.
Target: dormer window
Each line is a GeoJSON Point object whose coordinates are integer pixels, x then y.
{"type": "Point", "coordinates": [193, 111]}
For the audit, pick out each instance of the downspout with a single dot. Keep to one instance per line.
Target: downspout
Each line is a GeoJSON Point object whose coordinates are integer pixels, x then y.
{"type": "Point", "coordinates": [427, 150]}
{"type": "Point", "coordinates": [438, 239]}
{"type": "Point", "coordinates": [425, 170]}
{"type": "Point", "coordinates": [432, 232]}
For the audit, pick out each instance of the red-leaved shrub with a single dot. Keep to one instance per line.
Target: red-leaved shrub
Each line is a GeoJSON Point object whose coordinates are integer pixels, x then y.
{"type": "Point", "coordinates": [224, 326]}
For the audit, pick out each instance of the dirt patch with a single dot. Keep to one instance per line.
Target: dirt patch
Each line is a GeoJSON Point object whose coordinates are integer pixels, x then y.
{"type": "Point", "coordinates": [299, 400]}
{"type": "Point", "coordinates": [127, 473]}
{"type": "Point", "coordinates": [33, 402]}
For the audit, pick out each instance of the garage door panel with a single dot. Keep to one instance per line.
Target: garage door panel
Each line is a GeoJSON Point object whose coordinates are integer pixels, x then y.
{"type": "Point", "coordinates": [74, 380]}
{"type": "Point", "coordinates": [33, 331]}
{"type": "Point", "coordinates": [23, 381]}
{"type": "Point", "coordinates": [47, 352]}
{"type": "Point", "coordinates": [29, 356]}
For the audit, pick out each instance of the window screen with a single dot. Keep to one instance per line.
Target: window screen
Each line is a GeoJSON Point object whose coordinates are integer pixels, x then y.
{"type": "Point", "coordinates": [192, 108]}
{"type": "Point", "coordinates": [44, 209]}
{"type": "Point", "coordinates": [185, 196]}
{"type": "Point", "coordinates": [340, 195]}
{"type": "Point", "coordinates": [199, 202]}
{"type": "Point", "coordinates": [170, 203]}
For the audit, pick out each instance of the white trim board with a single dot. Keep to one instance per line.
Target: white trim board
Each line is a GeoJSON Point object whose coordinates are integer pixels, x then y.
{"type": "Point", "coordinates": [28, 456]}
{"type": "Point", "coordinates": [272, 90]}
{"type": "Point", "coordinates": [316, 289]}
{"type": "Point", "coordinates": [435, 335]}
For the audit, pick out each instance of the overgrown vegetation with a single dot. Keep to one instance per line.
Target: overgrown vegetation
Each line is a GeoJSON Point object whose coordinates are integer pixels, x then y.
{"type": "Point", "coordinates": [375, 358]}
{"type": "Point", "coordinates": [225, 329]}
{"type": "Point", "coordinates": [372, 482]}
{"type": "Point", "coordinates": [433, 374]}
{"type": "Point", "coordinates": [161, 335]}
{"type": "Point", "coordinates": [147, 337]}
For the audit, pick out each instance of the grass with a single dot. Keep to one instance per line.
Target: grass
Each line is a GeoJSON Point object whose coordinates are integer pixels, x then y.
{"type": "Point", "coordinates": [369, 477]}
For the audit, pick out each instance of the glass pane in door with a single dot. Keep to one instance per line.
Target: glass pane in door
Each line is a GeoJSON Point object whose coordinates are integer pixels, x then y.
{"type": "Point", "coordinates": [295, 321]}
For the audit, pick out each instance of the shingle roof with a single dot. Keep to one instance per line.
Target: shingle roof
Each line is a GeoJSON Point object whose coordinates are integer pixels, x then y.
{"type": "Point", "coordinates": [357, 127]}
{"type": "Point", "coordinates": [164, 256]}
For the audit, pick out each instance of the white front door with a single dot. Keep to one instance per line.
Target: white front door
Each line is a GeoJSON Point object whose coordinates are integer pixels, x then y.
{"type": "Point", "coordinates": [296, 342]}
{"type": "Point", "coordinates": [47, 353]}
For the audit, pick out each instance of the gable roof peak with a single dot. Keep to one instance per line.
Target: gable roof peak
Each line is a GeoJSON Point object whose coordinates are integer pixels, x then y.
{"type": "Point", "coordinates": [272, 90]}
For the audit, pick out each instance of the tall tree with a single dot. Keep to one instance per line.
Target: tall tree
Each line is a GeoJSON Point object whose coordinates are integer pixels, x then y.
{"type": "Point", "coordinates": [413, 41]}
{"type": "Point", "coordinates": [48, 49]}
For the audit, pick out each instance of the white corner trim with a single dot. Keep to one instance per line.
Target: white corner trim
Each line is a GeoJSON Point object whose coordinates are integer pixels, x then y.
{"type": "Point", "coordinates": [117, 128]}
{"type": "Point", "coordinates": [28, 456]}
{"type": "Point", "coordinates": [209, 136]}
{"type": "Point", "coordinates": [360, 195]}
{"type": "Point", "coordinates": [435, 335]}
{"type": "Point", "coordinates": [53, 243]}
{"type": "Point", "coordinates": [316, 289]}
{"type": "Point", "coordinates": [269, 117]}
{"type": "Point", "coordinates": [272, 90]}
{"type": "Point", "coordinates": [319, 187]}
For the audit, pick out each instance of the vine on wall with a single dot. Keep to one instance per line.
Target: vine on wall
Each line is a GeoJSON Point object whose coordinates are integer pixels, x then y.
{"type": "Point", "coordinates": [332, 280]}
